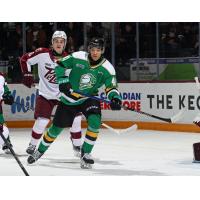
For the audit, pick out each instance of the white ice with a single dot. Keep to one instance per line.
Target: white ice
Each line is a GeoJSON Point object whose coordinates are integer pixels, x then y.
{"type": "Point", "coordinates": [140, 153]}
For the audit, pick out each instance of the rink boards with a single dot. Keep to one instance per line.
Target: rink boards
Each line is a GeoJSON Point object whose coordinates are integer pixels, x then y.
{"type": "Point", "coordinates": [160, 99]}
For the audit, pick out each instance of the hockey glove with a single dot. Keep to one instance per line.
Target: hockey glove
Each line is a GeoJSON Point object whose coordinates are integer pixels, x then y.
{"type": "Point", "coordinates": [8, 99]}
{"type": "Point", "coordinates": [65, 88]}
{"type": "Point", "coordinates": [28, 80]}
{"type": "Point", "coordinates": [115, 104]}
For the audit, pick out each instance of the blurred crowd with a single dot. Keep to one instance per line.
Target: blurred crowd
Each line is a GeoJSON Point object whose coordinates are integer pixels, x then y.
{"type": "Point", "coordinates": [176, 39]}
{"type": "Point", "coordinates": [179, 39]}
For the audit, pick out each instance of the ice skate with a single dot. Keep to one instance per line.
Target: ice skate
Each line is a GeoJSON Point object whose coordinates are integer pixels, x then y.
{"type": "Point", "coordinates": [76, 149]}
{"type": "Point", "coordinates": [34, 157]}
{"type": "Point", "coordinates": [5, 147]}
{"type": "Point", "coordinates": [86, 160]}
{"type": "Point", "coordinates": [30, 149]}
{"type": "Point", "coordinates": [196, 161]}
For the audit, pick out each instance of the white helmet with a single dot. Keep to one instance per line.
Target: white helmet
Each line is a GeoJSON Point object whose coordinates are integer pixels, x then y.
{"type": "Point", "coordinates": [59, 34]}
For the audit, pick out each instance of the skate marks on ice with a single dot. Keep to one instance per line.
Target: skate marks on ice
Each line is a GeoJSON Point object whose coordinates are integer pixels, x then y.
{"type": "Point", "coordinates": [62, 163]}
{"type": "Point", "coordinates": [189, 163]}
{"type": "Point", "coordinates": [69, 163]}
{"type": "Point", "coordinates": [101, 167]}
{"type": "Point", "coordinates": [77, 160]}
{"type": "Point", "coordinates": [126, 172]}
{"type": "Point", "coordinates": [9, 156]}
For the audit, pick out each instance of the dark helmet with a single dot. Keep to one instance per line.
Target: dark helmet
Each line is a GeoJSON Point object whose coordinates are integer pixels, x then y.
{"type": "Point", "coordinates": [97, 42]}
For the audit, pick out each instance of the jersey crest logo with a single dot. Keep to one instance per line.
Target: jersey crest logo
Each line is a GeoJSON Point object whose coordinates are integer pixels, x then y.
{"type": "Point", "coordinates": [80, 66]}
{"type": "Point", "coordinates": [87, 81]}
{"type": "Point", "coordinates": [50, 75]}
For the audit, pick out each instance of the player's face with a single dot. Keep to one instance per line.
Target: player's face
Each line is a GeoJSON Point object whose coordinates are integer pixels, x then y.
{"type": "Point", "coordinates": [58, 45]}
{"type": "Point", "coordinates": [95, 53]}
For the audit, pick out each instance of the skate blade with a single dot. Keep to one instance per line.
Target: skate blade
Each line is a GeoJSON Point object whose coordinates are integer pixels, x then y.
{"type": "Point", "coordinates": [7, 151]}
{"type": "Point", "coordinates": [32, 163]}
{"type": "Point", "coordinates": [85, 165]}
{"type": "Point", "coordinates": [29, 153]}
{"type": "Point", "coordinates": [196, 161]}
{"type": "Point", "coordinates": [77, 154]}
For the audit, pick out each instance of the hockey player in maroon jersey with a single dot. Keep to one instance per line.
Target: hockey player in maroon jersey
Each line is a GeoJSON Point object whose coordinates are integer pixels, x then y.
{"type": "Point", "coordinates": [49, 92]}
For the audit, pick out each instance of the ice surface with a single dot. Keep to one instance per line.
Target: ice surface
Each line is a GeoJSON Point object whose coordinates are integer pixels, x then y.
{"type": "Point", "coordinates": [140, 153]}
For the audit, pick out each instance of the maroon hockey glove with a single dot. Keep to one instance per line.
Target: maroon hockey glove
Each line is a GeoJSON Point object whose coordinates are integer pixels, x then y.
{"type": "Point", "coordinates": [115, 104]}
{"type": "Point", "coordinates": [28, 80]}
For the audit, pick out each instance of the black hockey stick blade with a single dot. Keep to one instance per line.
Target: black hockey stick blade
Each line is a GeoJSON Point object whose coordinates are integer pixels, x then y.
{"type": "Point", "coordinates": [173, 119]}
{"type": "Point", "coordinates": [147, 114]}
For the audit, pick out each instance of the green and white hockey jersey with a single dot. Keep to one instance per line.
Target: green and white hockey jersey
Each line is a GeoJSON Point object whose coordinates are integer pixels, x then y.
{"type": "Point", "coordinates": [85, 78]}
{"type": "Point", "coordinates": [3, 90]}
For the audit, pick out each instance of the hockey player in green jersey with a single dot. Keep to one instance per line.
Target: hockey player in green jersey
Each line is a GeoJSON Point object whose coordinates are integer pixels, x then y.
{"type": "Point", "coordinates": [89, 72]}
{"type": "Point", "coordinates": [7, 98]}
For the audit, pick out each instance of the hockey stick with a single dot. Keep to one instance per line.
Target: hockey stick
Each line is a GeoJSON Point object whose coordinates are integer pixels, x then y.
{"type": "Point", "coordinates": [169, 120]}
{"type": "Point", "coordinates": [14, 154]}
{"type": "Point", "coordinates": [197, 83]}
{"type": "Point", "coordinates": [197, 118]}
{"type": "Point", "coordinates": [131, 128]}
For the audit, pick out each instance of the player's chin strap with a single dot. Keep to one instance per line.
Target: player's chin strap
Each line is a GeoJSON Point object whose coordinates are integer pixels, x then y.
{"type": "Point", "coordinates": [169, 120]}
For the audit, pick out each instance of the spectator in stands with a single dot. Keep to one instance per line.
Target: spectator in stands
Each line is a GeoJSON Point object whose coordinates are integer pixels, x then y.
{"type": "Point", "coordinates": [169, 43]}
{"type": "Point", "coordinates": [96, 30]}
{"type": "Point", "coordinates": [178, 40]}
{"type": "Point", "coordinates": [147, 40]}
{"type": "Point", "coordinates": [126, 47]}
{"type": "Point", "coordinates": [14, 40]}
{"type": "Point", "coordinates": [14, 69]}
{"type": "Point", "coordinates": [74, 30]}
{"type": "Point", "coordinates": [70, 47]}
{"type": "Point", "coordinates": [196, 46]}
{"type": "Point", "coordinates": [36, 37]}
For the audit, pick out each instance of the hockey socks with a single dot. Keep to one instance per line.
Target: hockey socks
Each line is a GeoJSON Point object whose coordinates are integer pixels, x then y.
{"type": "Point", "coordinates": [38, 129]}
{"type": "Point", "coordinates": [49, 138]}
{"type": "Point", "coordinates": [76, 138]}
{"type": "Point", "coordinates": [94, 123]}
{"type": "Point", "coordinates": [75, 131]}
{"type": "Point", "coordinates": [89, 141]}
